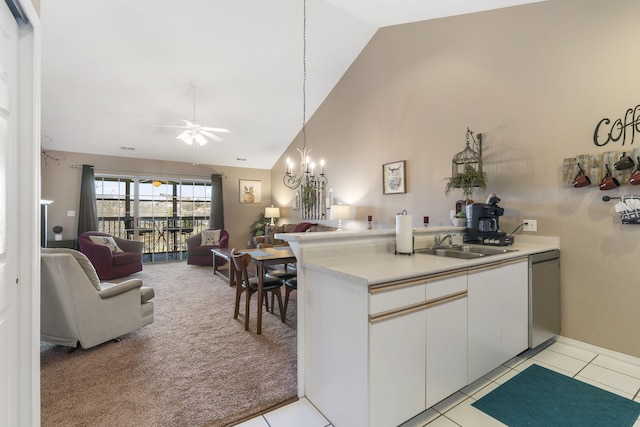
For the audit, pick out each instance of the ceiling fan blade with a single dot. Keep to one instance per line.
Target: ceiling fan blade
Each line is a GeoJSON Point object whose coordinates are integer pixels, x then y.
{"type": "Point", "coordinates": [210, 135]}
{"type": "Point", "coordinates": [215, 129]}
{"type": "Point", "coordinates": [169, 126]}
{"type": "Point", "coordinates": [188, 123]}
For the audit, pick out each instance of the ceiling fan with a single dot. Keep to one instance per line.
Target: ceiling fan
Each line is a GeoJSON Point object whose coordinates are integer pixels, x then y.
{"type": "Point", "coordinates": [193, 131]}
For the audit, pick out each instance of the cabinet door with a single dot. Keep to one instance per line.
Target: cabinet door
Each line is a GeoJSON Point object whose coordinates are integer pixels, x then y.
{"type": "Point", "coordinates": [397, 369]}
{"type": "Point", "coordinates": [484, 321]}
{"type": "Point", "coordinates": [446, 349]}
{"type": "Point", "coordinates": [515, 308]}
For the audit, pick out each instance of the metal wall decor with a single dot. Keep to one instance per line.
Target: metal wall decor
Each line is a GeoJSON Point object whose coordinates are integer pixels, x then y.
{"type": "Point", "coordinates": [471, 156]}
{"type": "Point", "coordinates": [621, 129]}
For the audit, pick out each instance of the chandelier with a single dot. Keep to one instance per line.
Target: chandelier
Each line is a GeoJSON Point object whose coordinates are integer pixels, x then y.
{"type": "Point", "coordinates": [304, 174]}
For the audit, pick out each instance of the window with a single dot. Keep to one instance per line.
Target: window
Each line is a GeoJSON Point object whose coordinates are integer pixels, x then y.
{"type": "Point", "coordinates": [161, 212]}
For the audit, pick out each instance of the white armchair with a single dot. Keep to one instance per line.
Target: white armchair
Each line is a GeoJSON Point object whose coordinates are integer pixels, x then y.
{"type": "Point", "coordinates": [77, 309]}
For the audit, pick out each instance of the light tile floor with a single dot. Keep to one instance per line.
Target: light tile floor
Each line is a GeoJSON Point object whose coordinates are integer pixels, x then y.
{"type": "Point", "coordinates": [616, 373]}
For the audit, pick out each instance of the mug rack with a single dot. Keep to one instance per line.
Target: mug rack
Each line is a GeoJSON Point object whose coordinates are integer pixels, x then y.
{"type": "Point", "coordinates": [628, 216]}
{"type": "Point", "coordinates": [594, 166]}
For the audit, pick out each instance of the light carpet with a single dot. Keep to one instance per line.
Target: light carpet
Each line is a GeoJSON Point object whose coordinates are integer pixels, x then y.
{"type": "Point", "coordinates": [193, 366]}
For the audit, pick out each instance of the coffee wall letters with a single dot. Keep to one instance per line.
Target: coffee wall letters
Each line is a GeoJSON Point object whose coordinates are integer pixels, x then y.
{"type": "Point", "coordinates": [622, 129]}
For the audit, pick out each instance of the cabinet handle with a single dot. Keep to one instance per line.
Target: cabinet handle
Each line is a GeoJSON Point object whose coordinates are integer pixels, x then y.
{"type": "Point", "coordinates": [416, 307]}
{"type": "Point", "coordinates": [515, 260]}
{"type": "Point", "coordinates": [390, 286]}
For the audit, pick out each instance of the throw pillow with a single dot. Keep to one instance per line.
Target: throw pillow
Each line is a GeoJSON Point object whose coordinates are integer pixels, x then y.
{"type": "Point", "coordinates": [210, 238]}
{"type": "Point", "coordinates": [82, 260]}
{"type": "Point", "coordinates": [302, 227]}
{"type": "Point", "coordinates": [106, 241]}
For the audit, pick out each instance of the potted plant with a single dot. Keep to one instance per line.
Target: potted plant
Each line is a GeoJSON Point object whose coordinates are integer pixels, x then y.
{"type": "Point", "coordinates": [467, 181]}
{"type": "Point", "coordinates": [460, 219]}
{"type": "Point", "coordinates": [257, 228]}
{"type": "Point", "coordinates": [57, 230]}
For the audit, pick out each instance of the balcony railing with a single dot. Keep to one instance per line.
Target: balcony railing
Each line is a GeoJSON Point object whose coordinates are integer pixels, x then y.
{"type": "Point", "coordinates": [163, 238]}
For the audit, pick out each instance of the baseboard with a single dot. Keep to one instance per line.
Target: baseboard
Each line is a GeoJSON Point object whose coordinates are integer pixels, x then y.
{"type": "Point", "coordinates": [600, 350]}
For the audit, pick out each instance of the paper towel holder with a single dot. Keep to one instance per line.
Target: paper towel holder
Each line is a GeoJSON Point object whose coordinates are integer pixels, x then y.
{"type": "Point", "coordinates": [404, 212]}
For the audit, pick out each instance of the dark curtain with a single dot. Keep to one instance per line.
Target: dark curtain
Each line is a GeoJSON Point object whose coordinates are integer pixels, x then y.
{"type": "Point", "coordinates": [88, 212]}
{"type": "Point", "coordinates": [216, 216]}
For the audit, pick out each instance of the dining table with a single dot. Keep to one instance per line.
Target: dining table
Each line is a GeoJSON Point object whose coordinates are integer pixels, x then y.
{"type": "Point", "coordinates": [262, 258]}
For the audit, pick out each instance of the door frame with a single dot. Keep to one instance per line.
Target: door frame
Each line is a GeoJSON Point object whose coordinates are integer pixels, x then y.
{"type": "Point", "coordinates": [27, 149]}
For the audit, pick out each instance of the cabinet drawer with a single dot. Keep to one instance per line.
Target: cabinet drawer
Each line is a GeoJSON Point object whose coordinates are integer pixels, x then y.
{"type": "Point", "coordinates": [446, 284]}
{"type": "Point", "coordinates": [393, 298]}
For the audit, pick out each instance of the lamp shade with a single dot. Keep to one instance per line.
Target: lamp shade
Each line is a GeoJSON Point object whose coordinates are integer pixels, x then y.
{"type": "Point", "coordinates": [272, 212]}
{"type": "Point", "coordinates": [340, 212]}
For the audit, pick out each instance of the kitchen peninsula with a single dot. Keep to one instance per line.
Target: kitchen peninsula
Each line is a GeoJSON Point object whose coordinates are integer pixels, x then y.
{"type": "Point", "coordinates": [399, 333]}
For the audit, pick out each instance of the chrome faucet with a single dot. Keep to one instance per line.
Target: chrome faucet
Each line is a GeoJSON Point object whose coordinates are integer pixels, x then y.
{"type": "Point", "coordinates": [440, 237]}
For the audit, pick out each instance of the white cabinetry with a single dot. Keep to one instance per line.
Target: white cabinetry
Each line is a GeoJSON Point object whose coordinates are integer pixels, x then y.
{"type": "Point", "coordinates": [446, 339]}
{"type": "Point", "coordinates": [515, 308]}
{"type": "Point", "coordinates": [498, 315]}
{"type": "Point", "coordinates": [418, 346]}
{"type": "Point", "coordinates": [377, 355]}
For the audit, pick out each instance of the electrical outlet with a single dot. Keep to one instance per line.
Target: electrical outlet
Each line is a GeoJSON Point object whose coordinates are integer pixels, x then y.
{"type": "Point", "coordinates": [530, 225]}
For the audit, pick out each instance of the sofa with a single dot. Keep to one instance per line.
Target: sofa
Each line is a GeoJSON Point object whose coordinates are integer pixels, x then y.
{"type": "Point", "coordinates": [111, 256]}
{"type": "Point", "coordinates": [199, 246]}
{"type": "Point", "coordinates": [270, 231]}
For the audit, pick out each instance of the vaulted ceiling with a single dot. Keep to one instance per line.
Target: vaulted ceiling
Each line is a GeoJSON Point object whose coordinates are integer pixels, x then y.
{"type": "Point", "coordinates": [113, 69]}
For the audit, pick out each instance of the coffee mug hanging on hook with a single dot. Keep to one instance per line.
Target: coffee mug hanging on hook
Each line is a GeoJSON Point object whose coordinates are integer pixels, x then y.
{"type": "Point", "coordinates": [609, 182]}
{"type": "Point", "coordinates": [634, 179]}
{"type": "Point", "coordinates": [625, 162]}
{"type": "Point", "coordinates": [581, 179]}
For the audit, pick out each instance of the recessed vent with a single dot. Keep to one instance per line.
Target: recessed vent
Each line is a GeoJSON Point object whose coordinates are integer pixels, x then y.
{"type": "Point", "coordinates": [122, 147]}
{"type": "Point", "coordinates": [240, 159]}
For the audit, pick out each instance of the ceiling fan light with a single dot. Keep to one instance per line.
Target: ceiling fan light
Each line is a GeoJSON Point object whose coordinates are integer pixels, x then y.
{"type": "Point", "coordinates": [200, 139]}
{"type": "Point", "coordinates": [185, 137]}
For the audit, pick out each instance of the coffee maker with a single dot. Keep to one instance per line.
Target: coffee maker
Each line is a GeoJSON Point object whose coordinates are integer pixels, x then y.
{"type": "Point", "coordinates": [483, 226]}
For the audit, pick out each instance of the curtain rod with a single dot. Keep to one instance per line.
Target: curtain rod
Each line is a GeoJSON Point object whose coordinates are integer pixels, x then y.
{"type": "Point", "coordinates": [149, 173]}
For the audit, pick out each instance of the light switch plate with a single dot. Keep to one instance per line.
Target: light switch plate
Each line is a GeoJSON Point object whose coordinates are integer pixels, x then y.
{"type": "Point", "coordinates": [71, 213]}
{"type": "Point", "coordinates": [530, 225]}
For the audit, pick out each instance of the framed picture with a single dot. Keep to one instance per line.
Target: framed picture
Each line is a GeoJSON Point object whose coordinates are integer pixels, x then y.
{"type": "Point", "coordinates": [250, 191]}
{"type": "Point", "coordinates": [394, 177]}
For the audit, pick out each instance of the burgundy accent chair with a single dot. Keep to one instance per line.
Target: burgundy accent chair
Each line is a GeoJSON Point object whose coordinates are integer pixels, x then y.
{"type": "Point", "coordinates": [108, 264]}
{"type": "Point", "coordinates": [202, 255]}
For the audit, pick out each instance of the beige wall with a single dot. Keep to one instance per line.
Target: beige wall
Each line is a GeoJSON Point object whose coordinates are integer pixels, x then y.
{"type": "Point", "coordinates": [535, 80]}
{"type": "Point", "coordinates": [61, 183]}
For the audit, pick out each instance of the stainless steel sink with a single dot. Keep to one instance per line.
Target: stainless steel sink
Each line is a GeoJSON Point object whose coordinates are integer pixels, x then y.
{"type": "Point", "coordinates": [449, 253]}
{"type": "Point", "coordinates": [463, 251]}
{"type": "Point", "coordinates": [485, 250]}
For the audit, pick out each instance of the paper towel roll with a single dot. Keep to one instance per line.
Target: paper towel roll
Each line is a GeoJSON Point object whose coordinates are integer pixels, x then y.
{"type": "Point", "coordinates": [404, 234]}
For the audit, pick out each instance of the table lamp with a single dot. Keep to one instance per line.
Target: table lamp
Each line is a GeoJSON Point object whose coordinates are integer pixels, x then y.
{"type": "Point", "coordinates": [272, 213]}
{"type": "Point", "coordinates": [340, 212]}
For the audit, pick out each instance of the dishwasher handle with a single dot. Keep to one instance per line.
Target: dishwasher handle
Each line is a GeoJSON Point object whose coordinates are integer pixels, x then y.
{"type": "Point", "coordinates": [544, 256]}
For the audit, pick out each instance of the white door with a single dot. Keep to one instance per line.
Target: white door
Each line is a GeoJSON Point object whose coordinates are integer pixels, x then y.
{"type": "Point", "coordinates": [9, 327]}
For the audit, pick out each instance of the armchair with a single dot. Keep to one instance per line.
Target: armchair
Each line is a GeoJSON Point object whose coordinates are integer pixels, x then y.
{"type": "Point", "coordinates": [199, 250]}
{"type": "Point", "coordinates": [110, 262]}
{"type": "Point", "coordinates": [77, 309]}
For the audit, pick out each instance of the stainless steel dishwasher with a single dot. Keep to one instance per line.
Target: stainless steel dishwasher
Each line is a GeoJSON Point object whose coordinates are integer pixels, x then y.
{"type": "Point", "coordinates": [544, 296]}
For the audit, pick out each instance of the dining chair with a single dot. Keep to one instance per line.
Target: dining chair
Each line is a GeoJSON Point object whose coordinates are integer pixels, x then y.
{"type": "Point", "coordinates": [290, 285]}
{"type": "Point", "coordinates": [282, 272]}
{"type": "Point", "coordinates": [249, 285]}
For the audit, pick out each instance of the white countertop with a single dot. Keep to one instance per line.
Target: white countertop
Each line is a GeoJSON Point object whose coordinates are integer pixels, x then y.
{"type": "Point", "coordinates": [374, 267]}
